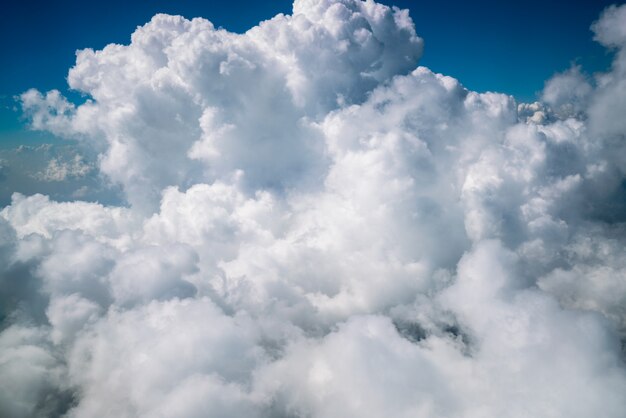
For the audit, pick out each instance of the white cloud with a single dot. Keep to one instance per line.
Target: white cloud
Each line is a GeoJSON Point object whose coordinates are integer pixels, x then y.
{"type": "Point", "coordinates": [161, 369]}
{"type": "Point", "coordinates": [174, 108]}
{"type": "Point", "coordinates": [609, 29]}
{"type": "Point", "coordinates": [316, 227]}
{"type": "Point", "coordinates": [567, 93]}
{"type": "Point", "coordinates": [62, 170]}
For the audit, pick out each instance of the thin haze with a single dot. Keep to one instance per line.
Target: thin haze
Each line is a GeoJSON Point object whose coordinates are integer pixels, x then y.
{"type": "Point", "coordinates": [311, 224]}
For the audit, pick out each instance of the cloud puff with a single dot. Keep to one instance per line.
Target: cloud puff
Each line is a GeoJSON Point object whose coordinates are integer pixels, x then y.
{"type": "Point", "coordinates": [61, 170]}
{"type": "Point", "coordinates": [174, 108]}
{"type": "Point", "coordinates": [316, 227]}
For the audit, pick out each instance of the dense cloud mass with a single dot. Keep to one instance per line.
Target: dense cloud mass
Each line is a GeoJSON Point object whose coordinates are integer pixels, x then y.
{"type": "Point", "coordinates": [317, 227]}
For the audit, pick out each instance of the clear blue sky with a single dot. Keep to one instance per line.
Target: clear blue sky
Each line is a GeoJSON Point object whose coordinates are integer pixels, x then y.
{"type": "Point", "coordinates": [512, 47]}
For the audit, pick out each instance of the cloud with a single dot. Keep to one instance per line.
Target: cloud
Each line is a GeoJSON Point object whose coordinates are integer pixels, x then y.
{"type": "Point", "coordinates": [317, 227]}
{"type": "Point", "coordinates": [173, 107]}
{"type": "Point", "coordinates": [33, 376]}
{"type": "Point", "coordinates": [567, 93]}
{"type": "Point", "coordinates": [609, 29]}
{"type": "Point", "coordinates": [56, 169]}
{"type": "Point", "coordinates": [61, 170]}
{"type": "Point", "coordinates": [143, 355]}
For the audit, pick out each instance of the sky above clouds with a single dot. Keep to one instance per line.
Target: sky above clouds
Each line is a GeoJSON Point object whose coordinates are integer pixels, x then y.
{"type": "Point", "coordinates": [303, 216]}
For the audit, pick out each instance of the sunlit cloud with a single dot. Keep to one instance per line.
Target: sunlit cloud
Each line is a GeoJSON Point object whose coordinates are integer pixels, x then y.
{"type": "Point", "coordinates": [315, 225]}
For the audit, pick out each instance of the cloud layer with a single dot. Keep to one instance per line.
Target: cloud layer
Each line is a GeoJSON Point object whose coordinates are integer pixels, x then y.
{"type": "Point", "coordinates": [316, 227]}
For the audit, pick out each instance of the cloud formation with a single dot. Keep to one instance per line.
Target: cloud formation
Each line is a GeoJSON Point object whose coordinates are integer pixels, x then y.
{"type": "Point", "coordinates": [317, 227]}
{"type": "Point", "coordinates": [61, 170]}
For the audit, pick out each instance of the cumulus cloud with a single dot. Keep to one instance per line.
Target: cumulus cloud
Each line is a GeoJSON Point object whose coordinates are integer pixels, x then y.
{"type": "Point", "coordinates": [567, 93]}
{"type": "Point", "coordinates": [318, 227]}
{"type": "Point", "coordinates": [174, 107]}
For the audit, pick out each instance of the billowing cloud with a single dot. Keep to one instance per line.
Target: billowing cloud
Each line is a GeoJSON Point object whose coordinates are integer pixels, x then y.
{"type": "Point", "coordinates": [174, 107]}
{"type": "Point", "coordinates": [318, 227]}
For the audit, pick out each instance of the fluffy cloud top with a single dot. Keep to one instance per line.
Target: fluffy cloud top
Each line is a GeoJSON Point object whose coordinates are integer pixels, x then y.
{"type": "Point", "coordinates": [186, 103]}
{"type": "Point", "coordinates": [316, 227]}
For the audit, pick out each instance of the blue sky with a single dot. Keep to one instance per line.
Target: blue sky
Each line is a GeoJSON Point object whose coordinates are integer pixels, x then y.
{"type": "Point", "coordinates": [512, 47]}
